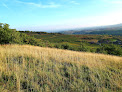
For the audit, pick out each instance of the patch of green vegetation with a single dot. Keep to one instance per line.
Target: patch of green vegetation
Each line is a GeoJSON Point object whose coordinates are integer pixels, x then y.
{"type": "Point", "coordinates": [106, 32]}
{"type": "Point", "coordinates": [11, 36]}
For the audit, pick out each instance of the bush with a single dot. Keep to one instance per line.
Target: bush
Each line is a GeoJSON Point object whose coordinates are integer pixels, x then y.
{"type": "Point", "coordinates": [110, 49]}
{"type": "Point", "coordinates": [113, 49]}
{"type": "Point", "coordinates": [11, 36]}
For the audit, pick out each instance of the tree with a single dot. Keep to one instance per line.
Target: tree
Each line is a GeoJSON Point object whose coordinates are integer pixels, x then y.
{"type": "Point", "coordinates": [6, 26]}
{"type": "Point", "coordinates": [1, 26]}
{"type": "Point", "coordinates": [83, 47]}
{"type": "Point", "coordinates": [8, 35]}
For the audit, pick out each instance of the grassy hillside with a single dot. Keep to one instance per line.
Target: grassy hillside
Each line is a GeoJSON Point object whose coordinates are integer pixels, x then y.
{"type": "Point", "coordinates": [25, 68]}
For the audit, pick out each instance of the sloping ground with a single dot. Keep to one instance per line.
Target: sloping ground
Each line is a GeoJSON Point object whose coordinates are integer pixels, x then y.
{"type": "Point", "coordinates": [25, 68]}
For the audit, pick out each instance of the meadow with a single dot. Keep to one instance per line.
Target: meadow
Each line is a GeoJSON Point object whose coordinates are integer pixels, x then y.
{"type": "Point", "coordinates": [26, 68]}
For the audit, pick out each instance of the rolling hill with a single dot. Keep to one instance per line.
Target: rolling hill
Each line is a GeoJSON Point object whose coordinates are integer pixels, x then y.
{"type": "Point", "coordinates": [25, 68]}
{"type": "Point", "coordinates": [109, 30]}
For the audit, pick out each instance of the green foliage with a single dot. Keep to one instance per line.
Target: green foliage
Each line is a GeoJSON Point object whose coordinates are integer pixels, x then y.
{"type": "Point", "coordinates": [110, 49]}
{"type": "Point", "coordinates": [11, 36]}
{"type": "Point", "coordinates": [83, 47]}
{"type": "Point", "coordinates": [113, 49]}
{"type": "Point", "coordinates": [106, 32]}
{"type": "Point", "coordinates": [8, 36]}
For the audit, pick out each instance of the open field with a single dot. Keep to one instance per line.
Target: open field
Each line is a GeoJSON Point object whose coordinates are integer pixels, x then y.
{"type": "Point", "coordinates": [25, 68]}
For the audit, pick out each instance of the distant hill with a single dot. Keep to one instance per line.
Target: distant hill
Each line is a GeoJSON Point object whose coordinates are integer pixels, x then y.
{"type": "Point", "coordinates": [110, 30]}
{"type": "Point", "coordinates": [113, 32]}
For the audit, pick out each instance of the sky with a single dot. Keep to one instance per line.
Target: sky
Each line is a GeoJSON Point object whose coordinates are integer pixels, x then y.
{"type": "Point", "coordinates": [54, 15]}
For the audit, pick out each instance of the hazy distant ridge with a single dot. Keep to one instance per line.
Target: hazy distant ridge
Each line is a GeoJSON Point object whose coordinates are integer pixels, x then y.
{"type": "Point", "coordinates": [110, 30]}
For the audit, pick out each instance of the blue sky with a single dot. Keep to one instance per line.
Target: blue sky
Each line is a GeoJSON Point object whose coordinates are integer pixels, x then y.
{"type": "Point", "coordinates": [52, 15]}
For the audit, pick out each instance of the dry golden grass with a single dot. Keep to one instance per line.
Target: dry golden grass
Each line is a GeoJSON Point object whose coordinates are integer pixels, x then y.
{"type": "Point", "coordinates": [91, 59]}
{"type": "Point", "coordinates": [16, 60]}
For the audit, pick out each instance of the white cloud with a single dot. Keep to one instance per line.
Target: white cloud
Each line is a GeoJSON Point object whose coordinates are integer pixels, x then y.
{"type": "Point", "coordinates": [40, 5]}
{"type": "Point", "coordinates": [105, 19]}
{"type": "Point", "coordinates": [113, 1]}
{"type": "Point", "coordinates": [5, 6]}
{"type": "Point", "coordinates": [108, 19]}
{"type": "Point", "coordinates": [117, 2]}
{"type": "Point", "coordinates": [74, 2]}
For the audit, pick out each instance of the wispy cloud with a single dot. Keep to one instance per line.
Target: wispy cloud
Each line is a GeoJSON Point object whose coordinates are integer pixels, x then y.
{"type": "Point", "coordinates": [5, 6]}
{"type": "Point", "coordinates": [113, 1]}
{"type": "Point", "coordinates": [117, 2]}
{"type": "Point", "coordinates": [74, 2]}
{"type": "Point", "coordinates": [40, 5]}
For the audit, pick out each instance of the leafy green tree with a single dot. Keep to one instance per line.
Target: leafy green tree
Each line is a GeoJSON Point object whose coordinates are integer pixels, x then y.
{"type": "Point", "coordinates": [83, 47]}
{"type": "Point", "coordinates": [113, 49]}
{"type": "Point", "coordinates": [6, 26]}
{"type": "Point", "coordinates": [8, 36]}
{"type": "Point", "coordinates": [1, 25]}
{"type": "Point", "coordinates": [65, 46]}
{"type": "Point", "coordinates": [110, 49]}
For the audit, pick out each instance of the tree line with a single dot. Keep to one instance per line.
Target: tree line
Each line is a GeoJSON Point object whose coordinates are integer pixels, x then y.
{"type": "Point", "coordinates": [12, 36]}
